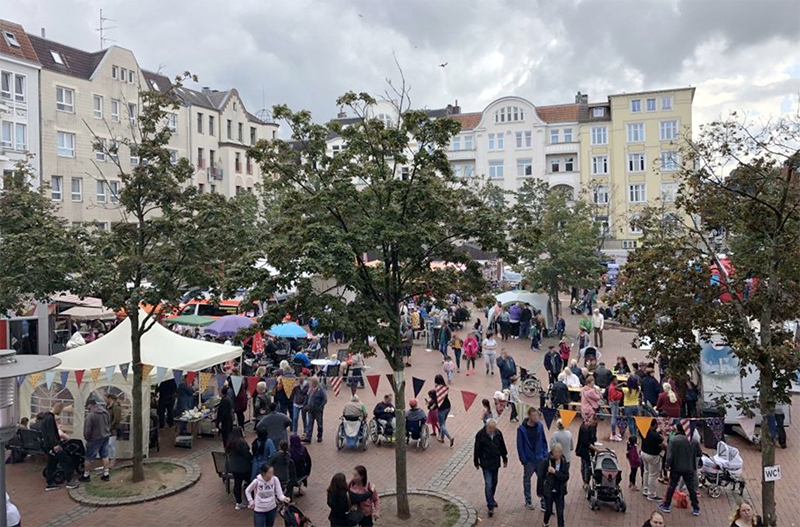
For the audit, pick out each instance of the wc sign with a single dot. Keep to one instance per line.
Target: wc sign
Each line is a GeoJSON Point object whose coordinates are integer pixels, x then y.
{"type": "Point", "coordinates": [772, 473]}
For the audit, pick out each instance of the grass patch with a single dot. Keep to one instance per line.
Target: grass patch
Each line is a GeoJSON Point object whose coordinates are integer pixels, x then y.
{"type": "Point", "coordinates": [158, 476]}
{"type": "Point", "coordinates": [451, 515]}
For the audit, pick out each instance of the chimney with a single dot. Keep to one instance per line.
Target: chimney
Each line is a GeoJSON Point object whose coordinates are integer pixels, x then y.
{"type": "Point", "coordinates": [341, 115]}
{"type": "Point", "coordinates": [206, 90]}
{"type": "Point", "coordinates": [43, 33]}
{"type": "Point", "coordinates": [581, 98]}
{"type": "Point", "coordinates": [456, 108]}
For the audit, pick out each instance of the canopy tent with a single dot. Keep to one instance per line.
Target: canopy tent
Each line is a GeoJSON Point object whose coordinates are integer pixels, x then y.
{"type": "Point", "coordinates": [89, 313]}
{"type": "Point", "coordinates": [161, 348]}
{"type": "Point", "coordinates": [538, 301]}
{"type": "Point", "coordinates": [190, 320]}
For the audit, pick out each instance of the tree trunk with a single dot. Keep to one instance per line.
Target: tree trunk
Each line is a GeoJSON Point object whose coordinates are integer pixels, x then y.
{"type": "Point", "coordinates": [403, 509]}
{"type": "Point", "coordinates": [555, 301]}
{"type": "Point", "coordinates": [767, 407]}
{"type": "Point", "coordinates": [137, 425]}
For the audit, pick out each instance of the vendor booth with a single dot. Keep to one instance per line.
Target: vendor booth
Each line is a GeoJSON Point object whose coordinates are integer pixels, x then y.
{"type": "Point", "coordinates": [105, 366]}
{"type": "Point", "coordinates": [537, 301]}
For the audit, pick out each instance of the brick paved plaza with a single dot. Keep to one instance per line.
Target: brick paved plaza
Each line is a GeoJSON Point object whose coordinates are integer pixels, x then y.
{"type": "Point", "coordinates": [438, 468]}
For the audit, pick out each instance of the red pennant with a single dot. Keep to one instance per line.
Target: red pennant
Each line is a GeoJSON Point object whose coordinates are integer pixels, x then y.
{"type": "Point", "coordinates": [251, 384]}
{"type": "Point", "coordinates": [190, 377]}
{"type": "Point", "coordinates": [374, 380]}
{"type": "Point", "coordinates": [468, 398]}
{"type": "Point", "coordinates": [79, 376]}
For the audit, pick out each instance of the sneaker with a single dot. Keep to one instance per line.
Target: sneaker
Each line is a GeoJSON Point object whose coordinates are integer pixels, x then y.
{"type": "Point", "coordinates": [541, 507]}
{"type": "Point", "coordinates": [491, 512]}
{"type": "Point", "coordinates": [665, 508]}
{"type": "Point", "coordinates": [85, 478]}
{"type": "Point", "coordinates": [653, 497]}
{"type": "Point", "coordinates": [695, 512]}
{"type": "Point", "coordinates": [467, 374]}
{"type": "Point", "coordinates": [452, 440]}
{"type": "Point", "coordinates": [72, 484]}
{"type": "Point", "coordinates": [105, 477]}
{"type": "Point", "coordinates": [529, 506]}
{"type": "Point", "coordinates": [240, 506]}
{"type": "Point", "coordinates": [52, 487]}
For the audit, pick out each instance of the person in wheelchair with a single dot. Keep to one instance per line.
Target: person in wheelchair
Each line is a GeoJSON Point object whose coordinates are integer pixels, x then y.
{"type": "Point", "coordinates": [415, 419]}
{"type": "Point", "coordinates": [384, 416]}
{"type": "Point", "coordinates": [354, 409]}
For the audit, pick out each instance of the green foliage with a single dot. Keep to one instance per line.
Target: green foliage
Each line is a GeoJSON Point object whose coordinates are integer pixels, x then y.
{"type": "Point", "coordinates": [38, 252]}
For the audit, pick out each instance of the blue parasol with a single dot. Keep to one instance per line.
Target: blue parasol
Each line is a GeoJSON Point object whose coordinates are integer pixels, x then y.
{"type": "Point", "coordinates": [289, 330]}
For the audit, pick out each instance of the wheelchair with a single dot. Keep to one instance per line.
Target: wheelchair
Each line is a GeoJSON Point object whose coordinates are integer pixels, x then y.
{"type": "Point", "coordinates": [377, 435]}
{"type": "Point", "coordinates": [352, 433]}
{"type": "Point", "coordinates": [418, 432]}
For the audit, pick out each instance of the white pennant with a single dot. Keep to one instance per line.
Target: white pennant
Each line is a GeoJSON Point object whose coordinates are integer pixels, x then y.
{"type": "Point", "coordinates": [110, 373]}
{"type": "Point", "coordinates": [236, 381]}
{"type": "Point", "coordinates": [49, 377]}
{"type": "Point", "coordinates": [160, 372]}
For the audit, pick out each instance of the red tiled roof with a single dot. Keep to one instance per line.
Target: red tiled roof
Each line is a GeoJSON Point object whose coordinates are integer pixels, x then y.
{"type": "Point", "coordinates": [560, 113]}
{"type": "Point", "coordinates": [25, 49]}
{"type": "Point", "coordinates": [468, 120]}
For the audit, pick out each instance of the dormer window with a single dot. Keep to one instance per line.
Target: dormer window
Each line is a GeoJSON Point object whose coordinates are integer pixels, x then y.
{"type": "Point", "coordinates": [509, 114]}
{"type": "Point", "coordinates": [154, 84]}
{"type": "Point", "coordinates": [11, 40]}
{"type": "Point", "coordinates": [385, 119]}
{"type": "Point", "coordinates": [598, 111]}
{"type": "Point", "coordinates": [57, 57]}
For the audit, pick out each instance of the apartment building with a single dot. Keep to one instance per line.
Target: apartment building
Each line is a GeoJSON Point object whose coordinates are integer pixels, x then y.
{"type": "Point", "coordinates": [19, 100]}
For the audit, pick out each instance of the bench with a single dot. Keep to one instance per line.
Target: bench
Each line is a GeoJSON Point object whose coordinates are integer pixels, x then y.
{"type": "Point", "coordinates": [221, 466]}
{"type": "Point", "coordinates": [30, 442]}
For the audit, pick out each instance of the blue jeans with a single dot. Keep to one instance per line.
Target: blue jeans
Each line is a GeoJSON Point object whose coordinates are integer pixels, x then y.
{"type": "Point", "coordinates": [505, 382]}
{"type": "Point", "coordinates": [297, 414]}
{"type": "Point", "coordinates": [443, 347]}
{"type": "Point", "coordinates": [314, 416]}
{"type": "Point", "coordinates": [265, 519]}
{"type": "Point", "coordinates": [630, 412]}
{"type": "Point", "coordinates": [490, 486]}
{"type": "Point", "coordinates": [614, 405]}
{"type": "Point", "coordinates": [524, 329]}
{"type": "Point", "coordinates": [441, 417]}
{"type": "Point", "coordinates": [529, 469]}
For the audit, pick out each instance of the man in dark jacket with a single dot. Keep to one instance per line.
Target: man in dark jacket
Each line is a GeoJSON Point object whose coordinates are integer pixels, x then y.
{"type": "Point", "coordinates": [552, 476]}
{"type": "Point", "coordinates": [507, 367]}
{"type": "Point", "coordinates": [682, 454]}
{"type": "Point", "coordinates": [166, 402]}
{"type": "Point", "coordinates": [553, 363]}
{"type": "Point", "coordinates": [559, 394]}
{"type": "Point", "coordinates": [56, 456]}
{"type": "Point", "coordinates": [115, 413]}
{"type": "Point", "coordinates": [532, 449]}
{"type": "Point", "coordinates": [650, 387]}
{"type": "Point", "coordinates": [224, 418]}
{"type": "Point", "coordinates": [490, 449]}
{"type": "Point", "coordinates": [602, 376]}
{"type": "Point", "coordinates": [587, 437]}
{"type": "Point", "coordinates": [384, 414]}
{"type": "Point", "coordinates": [316, 401]}
{"type": "Point", "coordinates": [96, 433]}
{"type": "Point", "coordinates": [525, 321]}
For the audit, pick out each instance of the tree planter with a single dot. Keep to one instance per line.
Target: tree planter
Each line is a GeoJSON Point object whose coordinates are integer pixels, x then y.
{"type": "Point", "coordinates": [454, 511]}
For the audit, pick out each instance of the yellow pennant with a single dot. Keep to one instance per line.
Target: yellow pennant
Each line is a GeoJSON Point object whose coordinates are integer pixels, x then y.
{"type": "Point", "coordinates": [643, 424]}
{"type": "Point", "coordinates": [146, 369]}
{"type": "Point", "coordinates": [567, 416]}
{"type": "Point", "coordinates": [95, 375]}
{"type": "Point", "coordinates": [288, 385]}
{"type": "Point", "coordinates": [205, 378]}
{"type": "Point", "coordinates": [34, 377]}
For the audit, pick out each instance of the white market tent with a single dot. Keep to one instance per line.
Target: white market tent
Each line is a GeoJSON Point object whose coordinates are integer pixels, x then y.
{"type": "Point", "coordinates": [537, 301]}
{"type": "Point", "coordinates": [89, 313]}
{"type": "Point", "coordinates": [160, 348]}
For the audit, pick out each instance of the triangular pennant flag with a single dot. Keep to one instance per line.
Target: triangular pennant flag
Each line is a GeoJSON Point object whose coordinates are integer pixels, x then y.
{"type": "Point", "coordinates": [220, 377]}
{"type": "Point", "coordinates": [190, 376]}
{"type": "Point", "coordinates": [95, 373]}
{"type": "Point", "coordinates": [146, 369]}
{"type": "Point", "coordinates": [177, 375]}
{"type": "Point", "coordinates": [79, 376]}
{"type": "Point", "coordinates": [549, 414]}
{"type": "Point", "coordinates": [252, 384]}
{"type": "Point", "coordinates": [64, 377]}
{"type": "Point", "coordinates": [205, 378]}
{"type": "Point", "coordinates": [271, 384]}
{"type": "Point", "coordinates": [468, 398]}
{"type": "Point", "coordinates": [21, 379]}
{"type": "Point", "coordinates": [373, 381]}
{"type": "Point", "coordinates": [567, 416]}
{"type": "Point", "coordinates": [110, 373]}
{"type": "Point", "coordinates": [123, 369]}
{"type": "Point", "coordinates": [35, 378]}
{"type": "Point", "coordinates": [236, 381]}
{"type": "Point", "coordinates": [642, 424]}
{"type": "Point", "coordinates": [336, 383]}
{"type": "Point", "coordinates": [288, 384]}
{"type": "Point", "coordinates": [418, 384]}
{"type": "Point", "coordinates": [748, 424]}
{"type": "Point", "coordinates": [390, 378]}
{"type": "Point", "coordinates": [161, 371]}
{"type": "Point", "coordinates": [49, 377]}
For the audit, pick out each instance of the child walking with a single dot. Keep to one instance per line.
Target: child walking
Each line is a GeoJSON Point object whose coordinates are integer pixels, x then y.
{"type": "Point", "coordinates": [449, 367]}
{"type": "Point", "coordinates": [471, 352]}
{"type": "Point", "coordinates": [634, 460]}
{"type": "Point", "coordinates": [513, 397]}
{"type": "Point", "coordinates": [487, 410]}
{"type": "Point", "coordinates": [456, 343]}
{"type": "Point", "coordinates": [433, 412]}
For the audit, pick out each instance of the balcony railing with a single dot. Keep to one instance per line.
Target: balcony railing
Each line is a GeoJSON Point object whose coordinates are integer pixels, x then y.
{"type": "Point", "coordinates": [214, 173]}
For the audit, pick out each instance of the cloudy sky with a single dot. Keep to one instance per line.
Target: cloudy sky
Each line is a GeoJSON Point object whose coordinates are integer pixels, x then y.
{"type": "Point", "coordinates": [740, 54]}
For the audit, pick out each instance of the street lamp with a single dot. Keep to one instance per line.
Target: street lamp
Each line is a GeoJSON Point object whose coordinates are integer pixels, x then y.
{"type": "Point", "coordinates": [12, 366]}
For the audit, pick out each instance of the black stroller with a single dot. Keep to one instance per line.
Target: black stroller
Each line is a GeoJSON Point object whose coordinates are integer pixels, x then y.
{"type": "Point", "coordinates": [294, 517]}
{"type": "Point", "coordinates": [72, 462]}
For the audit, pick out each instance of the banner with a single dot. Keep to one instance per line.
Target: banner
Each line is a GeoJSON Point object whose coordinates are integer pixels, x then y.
{"type": "Point", "coordinates": [146, 369]}
{"type": "Point", "coordinates": [79, 376]}
{"type": "Point", "coordinates": [205, 378]}
{"type": "Point", "coordinates": [49, 377]}
{"type": "Point", "coordinates": [418, 384]}
{"type": "Point", "coordinates": [110, 373]}
{"type": "Point", "coordinates": [549, 414]}
{"type": "Point", "coordinates": [177, 375]}
{"type": "Point", "coordinates": [567, 416]}
{"type": "Point", "coordinates": [258, 343]}
{"type": "Point", "coordinates": [642, 424]}
{"type": "Point", "coordinates": [373, 381]}
{"type": "Point", "coordinates": [123, 369]}
{"type": "Point", "coordinates": [95, 372]}
{"type": "Point", "coordinates": [468, 398]}
{"type": "Point", "coordinates": [160, 373]}
{"type": "Point", "coordinates": [236, 383]}
{"type": "Point", "coordinates": [336, 383]}
{"type": "Point", "coordinates": [64, 377]}
{"type": "Point", "coordinates": [35, 378]}
{"type": "Point", "coordinates": [252, 384]}
{"type": "Point", "coordinates": [190, 376]}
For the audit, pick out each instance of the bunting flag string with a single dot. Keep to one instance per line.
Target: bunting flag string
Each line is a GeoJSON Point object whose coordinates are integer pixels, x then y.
{"type": "Point", "coordinates": [123, 369]}
{"type": "Point", "coordinates": [110, 373]}
{"type": "Point", "coordinates": [252, 384]}
{"type": "Point", "coordinates": [418, 384]}
{"type": "Point", "coordinates": [336, 383]}
{"type": "Point", "coordinates": [49, 377]}
{"type": "Point", "coordinates": [64, 378]}
{"type": "Point", "coordinates": [236, 383]}
{"type": "Point", "coordinates": [95, 373]}
{"type": "Point", "coordinates": [177, 375]}
{"type": "Point", "coordinates": [161, 371]}
{"type": "Point", "coordinates": [374, 381]}
{"type": "Point", "coordinates": [549, 414]}
{"type": "Point", "coordinates": [190, 377]}
{"type": "Point", "coordinates": [642, 424]}
{"type": "Point", "coordinates": [271, 383]}
{"type": "Point", "coordinates": [146, 369]}
{"type": "Point", "coordinates": [288, 384]}
{"type": "Point", "coordinates": [35, 378]}
{"type": "Point", "coordinates": [205, 378]}
{"type": "Point", "coordinates": [748, 424]}
{"type": "Point", "coordinates": [468, 398]}
{"type": "Point", "coordinates": [390, 378]}
{"type": "Point", "coordinates": [21, 379]}
{"type": "Point", "coordinates": [220, 378]}
{"type": "Point", "coordinates": [567, 416]}
{"type": "Point", "coordinates": [79, 376]}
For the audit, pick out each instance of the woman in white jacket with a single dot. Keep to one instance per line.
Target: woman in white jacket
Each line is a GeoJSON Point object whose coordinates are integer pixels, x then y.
{"type": "Point", "coordinates": [263, 495]}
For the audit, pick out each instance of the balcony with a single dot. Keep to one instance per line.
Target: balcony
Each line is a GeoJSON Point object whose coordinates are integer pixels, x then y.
{"type": "Point", "coordinates": [562, 148]}
{"type": "Point", "coordinates": [214, 173]}
{"type": "Point", "coordinates": [461, 155]}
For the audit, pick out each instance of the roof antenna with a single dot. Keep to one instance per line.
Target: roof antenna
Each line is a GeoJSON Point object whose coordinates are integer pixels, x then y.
{"type": "Point", "coordinates": [103, 28]}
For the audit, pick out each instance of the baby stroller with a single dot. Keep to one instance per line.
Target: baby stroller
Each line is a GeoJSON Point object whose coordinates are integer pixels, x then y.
{"type": "Point", "coordinates": [722, 470]}
{"type": "Point", "coordinates": [352, 433]}
{"type": "Point", "coordinates": [73, 461]}
{"type": "Point", "coordinates": [293, 517]}
{"type": "Point", "coordinates": [417, 430]}
{"type": "Point", "coordinates": [604, 486]}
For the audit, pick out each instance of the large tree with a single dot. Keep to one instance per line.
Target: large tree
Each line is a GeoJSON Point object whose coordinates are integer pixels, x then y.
{"type": "Point", "coordinates": [742, 181]}
{"type": "Point", "coordinates": [389, 196]}
{"type": "Point", "coordinates": [555, 238]}
{"type": "Point", "coordinates": [168, 237]}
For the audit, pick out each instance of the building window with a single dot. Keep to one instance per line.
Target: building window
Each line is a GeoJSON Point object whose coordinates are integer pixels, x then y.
{"type": "Point", "coordinates": [173, 157]}
{"type": "Point", "coordinates": [100, 149]}
{"type": "Point", "coordinates": [496, 142]}
{"type": "Point", "coordinates": [101, 192]}
{"type": "Point", "coordinates": [553, 137]}
{"type": "Point", "coordinates": [5, 85]}
{"type": "Point", "coordinates": [469, 169]}
{"type": "Point", "coordinates": [253, 135]}
{"type": "Point", "coordinates": [201, 162]}
{"type": "Point", "coordinates": [567, 135]}
{"type": "Point", "coordinates": [134, 156]}
{"type": "Point", "coordinates": [636, 132]}
{"type": "Point", "coordinates": [115, 110]}
{"type": "Point", "coordinates": [65, 99]}
{"type": "Point", "coordinates": [19, 87]}
{"type": "Point", "coordinates": [56, 185]}
{"type": "Point", "coordinates": [114, 72]}
{"type": "Point", "coordinates": [569, 164]}
{"type": "Point", "coordinates": [20, 137]}
{"type": "Point", "coordinates": [669, 160]}
{"type": "Point", "coordinates": [97, 106]}
{"type": "Point", "coordinates": [249, 164]}
{"type": "Point", "coordinates": [230, 129]}
{"type": "Point", "coordinates": [496, 170]}
{"type": "Point", "coordinates": [598, 111]}
{"type": "Point", "coordinates": [199, 123]}
{"type": "Point", "coordinates": [66, 144]}
{"type": "Point", "coordinates": [458, 170]}
{"type": "Point", "coordinates": [524, 139]}
{"type": "Point", "coordinates": [113, 150]}
{"type": "Point", "coordinates": [666, 103]}
{"type": "Point", "coordinates": [7, 135]}
{"type": "Point", "coordinates": [601, 195]}
{"type": "Point", "coordinates": [57, 58]}
{"type": "Point", "coordinates": [636, 163]}
{"type": "Point", "coordinates": [600, 165]}
{"type": "Point", "coordinates": [337, 149]}
{"type": "Point", "coordinates": [213, 189]}
{"type": "Point", "coordinates": [524, 167]}
{"type": "Point", "coordinates": [77, 189]}
{"type": "Point", "coordinates": [650, 105]}
{"type": "Point", "coordinates": [113, 188]}
{"type": "Point", "coordinates": [123, 74]}
{"type": "Point", "coordinates": [468, 142]}
{"type": "Point", "coordinates": [636, 193]}
{"type": "Point", "coordinates": [11, 39]}
{"type": "Point", "coordinates": [172, 122]}
{"type": "Point", "coordinates": [455, 143]}
{"type": "Point", "coordinates": [669, 190]}
{"type": "Point", "coordinates": [635, 225]}
{"type": "Point", "coordinates": [636, 105]}
{"type": "Point", "coordinates": [201, 188]}
{"type": "Point", "coordinates": [132, 112]}
{"type": "Point", "coordinates": [669, 130]}
{"type": "Point", "coordinates": [102, 226]}
{"type": "Point", "coordinates": [211, 128]}
{"type": "Point", "coordinates": [599, 135]}
{"type": "Point", "coordinates": [212, 159]}
{"type": "Point", "coordinates": [555, 165]}
{"type": "Point", "coordinates": [509, 114]}
{"type": "Point", "coordinates": [238, 162]}
{"type": "Point", "coordinates": [241, 133]}
{"type": "Point", "coordinates": [131, 76]}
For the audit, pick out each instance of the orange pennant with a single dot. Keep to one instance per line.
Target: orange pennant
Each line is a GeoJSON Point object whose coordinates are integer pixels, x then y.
{"type": "Point", "coordinates": [95, 375]}
{"type": "Point", "coordinates": [205, 378]}
{"type": "Point", "coordinates": [146, 369]}
{"type": "Point", "coordinates": [34, 377]}
{"type": "Point", "coordinates": [288, 384]}
{"type": "Point", "coordinates": [567, 416]}
{"type": "Point", "coordinates": [643, 424]}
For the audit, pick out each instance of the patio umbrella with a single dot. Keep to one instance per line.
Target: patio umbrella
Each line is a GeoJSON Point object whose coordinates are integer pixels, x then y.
{"type": "Point", "coordinates": [289, 330]}
{"type": "Point", "coordinates": [191, 320]}
{"type": "Point", "coordinates": [228, 325]}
